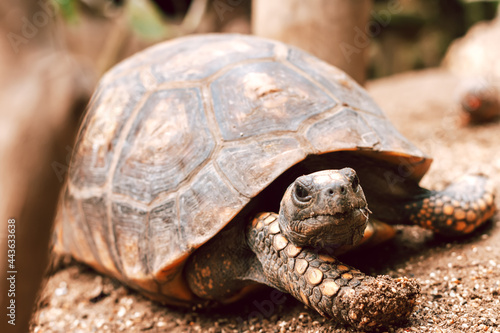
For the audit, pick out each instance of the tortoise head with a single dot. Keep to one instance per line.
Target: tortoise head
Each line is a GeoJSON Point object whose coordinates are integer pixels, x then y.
{"type": "Point", "coordinates": [324, 209]}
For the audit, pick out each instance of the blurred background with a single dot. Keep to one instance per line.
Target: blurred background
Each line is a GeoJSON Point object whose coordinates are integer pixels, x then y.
{"type": "Point", "coordinates": [405, 34]}
{"type": "Point", "coordinates": [53, 52]}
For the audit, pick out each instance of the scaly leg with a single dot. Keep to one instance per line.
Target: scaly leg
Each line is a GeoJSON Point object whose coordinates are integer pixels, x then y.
{"type": "Point", "coordinates": [322, 282]}
{"type": "Point", "coordinates": [457, 210]}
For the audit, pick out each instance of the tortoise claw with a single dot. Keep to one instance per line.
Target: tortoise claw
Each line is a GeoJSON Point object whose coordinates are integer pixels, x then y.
{"type": "Point", "coordinates": [379, 301]}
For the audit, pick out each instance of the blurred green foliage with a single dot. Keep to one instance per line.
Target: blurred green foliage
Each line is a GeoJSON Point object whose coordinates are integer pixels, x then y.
{"type": "Point", "coordinates": [145, 19]}
{"type": "Point", "coordinates": [416, 36]}
{"type": "Point", "coordinates": [69, 9]}
{"type": "Point", "coordinates": [143, 16]}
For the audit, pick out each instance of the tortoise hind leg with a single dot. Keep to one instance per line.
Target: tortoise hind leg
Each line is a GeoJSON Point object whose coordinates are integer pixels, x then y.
{"type": "Point", "coordinates": [457, 210]}
{"type": "Point", "coordinates": [224, 269]}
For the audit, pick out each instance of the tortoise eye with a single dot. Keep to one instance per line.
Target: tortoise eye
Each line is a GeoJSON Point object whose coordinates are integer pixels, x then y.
{"type": "Point", "coordinates": [301, 193]}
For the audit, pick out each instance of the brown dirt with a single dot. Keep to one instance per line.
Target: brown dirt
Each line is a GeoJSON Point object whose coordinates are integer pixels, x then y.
{"type": "Point", "coordinates": [460, 279]}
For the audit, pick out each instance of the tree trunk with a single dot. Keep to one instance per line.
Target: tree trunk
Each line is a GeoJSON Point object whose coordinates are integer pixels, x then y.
{"type": "Point", "coordinates": [41, 94]}
{"type": "Point", "coordinates": [333, 30]}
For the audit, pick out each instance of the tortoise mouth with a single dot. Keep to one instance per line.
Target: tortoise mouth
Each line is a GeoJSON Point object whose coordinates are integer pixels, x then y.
{"type": "Point", "coordinates": [323, 230]}
{"type": "Point", "coordinates": [341, 215]}
{"type": "Point", "coordinates": [335, 219]}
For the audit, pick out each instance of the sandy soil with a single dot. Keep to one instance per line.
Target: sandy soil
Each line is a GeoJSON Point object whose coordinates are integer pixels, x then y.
{"type": "Point", "coordinates": [460, 279]}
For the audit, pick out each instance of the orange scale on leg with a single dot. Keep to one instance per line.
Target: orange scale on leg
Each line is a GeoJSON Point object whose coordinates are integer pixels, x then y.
{"type": "Point", "coordinates": [448, 209]}
{"type": "Point", "coordinates": [469, 229]}
{"type": "Point", "coordinates": [460, 226]}
{"type": "Point", "coordinates": [471, 216]}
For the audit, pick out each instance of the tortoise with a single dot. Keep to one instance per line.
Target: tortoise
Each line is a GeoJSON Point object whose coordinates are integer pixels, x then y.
{"type": "Point", "coordinates": [474, 59]}
{"type": "Point", "coordinates": [208, 165]}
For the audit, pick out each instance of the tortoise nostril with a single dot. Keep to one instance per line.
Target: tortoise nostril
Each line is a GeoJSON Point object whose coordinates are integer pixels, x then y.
{"type": "Point", "coordinates": [342, 190]}
{"type": "Point", "coordinates": [355, 183]}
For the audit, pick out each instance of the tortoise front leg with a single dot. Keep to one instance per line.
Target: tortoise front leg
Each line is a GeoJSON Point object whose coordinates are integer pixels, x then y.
{"type": "Point", "coordinates": [325, 284]}
{"type": "Point", "coordinates": [457, 210]}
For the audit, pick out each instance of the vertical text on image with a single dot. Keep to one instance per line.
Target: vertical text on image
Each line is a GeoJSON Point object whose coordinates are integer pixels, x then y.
{"type": "Point", "coordinates": [11, 271]}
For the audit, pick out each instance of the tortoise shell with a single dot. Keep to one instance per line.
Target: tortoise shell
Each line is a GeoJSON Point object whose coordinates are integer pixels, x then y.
{"type": "Point", "coordinates": [181, 137]}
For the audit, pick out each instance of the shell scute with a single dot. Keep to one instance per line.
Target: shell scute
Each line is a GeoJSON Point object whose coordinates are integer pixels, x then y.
{"type": "Point", "coordinates": [252, 166]}
{"type": "Point", "coordinates": [263, 97]}
{"type": "Point", "coordinates": [338, 83]}
{"type": "Point", "coordinates": [343, 130]}
{"type": "Point", "coordinates": [100, 131]}
{"type": "Point", "coordinates": [206, 206]}
{"type": "Point", "coordinates": [165, 240]}
{"type": "Point", "coordinates": [129, 225]}
{"type": "Point", "coordinates": [390, 138]}
{"type": "Point", "coordinates": [72, 236]}
{"type": "Point", "coordinates": [95, 217]}
{"type": "Point", "coordinates": [168, 141]}
{"type": "Point", "coordinates": [198, 61]}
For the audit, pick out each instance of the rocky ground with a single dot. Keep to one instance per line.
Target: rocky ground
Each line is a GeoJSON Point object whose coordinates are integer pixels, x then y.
{"type": "Point", "coordinates": [460, 279]}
